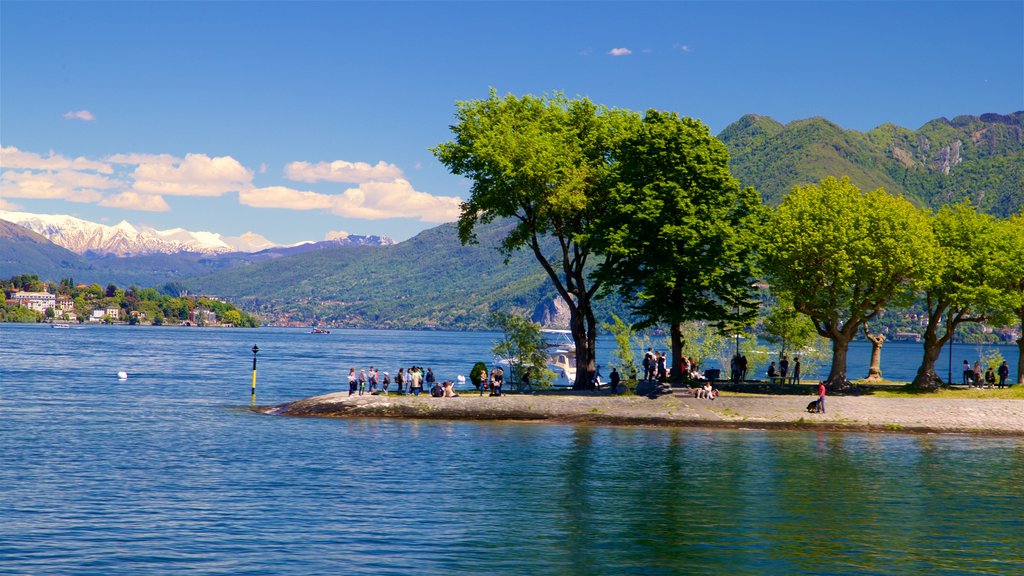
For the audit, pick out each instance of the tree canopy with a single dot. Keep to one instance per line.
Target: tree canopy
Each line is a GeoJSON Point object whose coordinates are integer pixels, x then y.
{"type": "Point", "coordinates": [678, 230]}
{"type": "Point", "coordinates": [544, 162]}
{"type": "Point", "coordinates": [841, 256]}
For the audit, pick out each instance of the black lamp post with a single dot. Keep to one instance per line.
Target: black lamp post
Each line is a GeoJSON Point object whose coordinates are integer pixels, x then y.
{"type": "Point", "coordinates": [255, 349]}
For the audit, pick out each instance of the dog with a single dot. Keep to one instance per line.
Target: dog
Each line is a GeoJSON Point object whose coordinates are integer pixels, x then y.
{"type": "Point", "coordinates": [813, 406]}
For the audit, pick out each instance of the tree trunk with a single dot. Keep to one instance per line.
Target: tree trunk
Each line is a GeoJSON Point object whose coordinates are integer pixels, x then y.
{"type": "Point", "coordinates": [875, 370]}
{"type": "Point", "coordinates": [837, 375]}
{"type": "Point", "coordinates": [927, 378]}
{"type": "Point", "coordinates": [676, 331]}
{"type": "Point", "coordinates": [584, 335]}
{"type": "Point", "coordinates": [1020, 356]}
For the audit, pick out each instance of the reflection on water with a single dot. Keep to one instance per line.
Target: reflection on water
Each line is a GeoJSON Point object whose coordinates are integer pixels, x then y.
{"type": "Point", "coordinates": [159, 474]}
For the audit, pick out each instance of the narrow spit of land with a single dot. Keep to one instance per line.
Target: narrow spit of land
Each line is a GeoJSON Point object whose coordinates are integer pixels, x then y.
{"type": "Point", "coordinates": [844, 413]}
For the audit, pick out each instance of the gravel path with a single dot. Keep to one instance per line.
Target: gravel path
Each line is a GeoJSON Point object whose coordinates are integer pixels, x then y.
{"type": "Point", "coordinates": [1004, 417]}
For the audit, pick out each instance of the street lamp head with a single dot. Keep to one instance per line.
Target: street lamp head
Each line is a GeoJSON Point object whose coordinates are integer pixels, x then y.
{"type": "Point", "coordinates": [255, 349]}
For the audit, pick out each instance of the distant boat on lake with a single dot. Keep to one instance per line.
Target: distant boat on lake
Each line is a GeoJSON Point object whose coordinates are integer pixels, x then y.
{"type": "Point", "coordinates": [320, 331]}
{"type": "Point", "coordinates": [61, 325]}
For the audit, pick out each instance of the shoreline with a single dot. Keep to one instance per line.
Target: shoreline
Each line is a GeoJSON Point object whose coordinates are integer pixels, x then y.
{"type": "Point", "coordinates": [994, 417]}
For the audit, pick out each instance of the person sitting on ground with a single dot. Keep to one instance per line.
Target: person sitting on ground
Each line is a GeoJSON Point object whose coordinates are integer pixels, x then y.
{"type": "Point", "coordinates": [449, 389]}
{"type": "Point", "coordinates": [772, 373]}
{"type": "Point", "coordinates": [709, 392]}
{"type": "Point", "coordinates": [437, 390]}
{"type": "Point", "coordinates": [990, 378]}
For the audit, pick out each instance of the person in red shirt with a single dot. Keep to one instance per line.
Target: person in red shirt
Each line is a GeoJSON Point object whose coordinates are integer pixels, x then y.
{"type": "Point", "coordinates": [821, 397]}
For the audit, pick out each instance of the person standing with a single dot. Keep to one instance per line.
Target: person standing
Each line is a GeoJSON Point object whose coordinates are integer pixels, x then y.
{"type": "Point", "coordinates": [662, 371]}
{"type": "Point", "coordinates": [613, 380]}
{"type": "Point", "coordinates": [743, 366]}
{"type": "Point", "coordinates": [1004, 373]}
{"type": "Point", "coordinates": [648, 363]}
{"type": "Point", "coordinates": [783, 368]}
{"type": "Point", "coordinates": [351, 381]}
{"type": "Point", "coordinates": [362, 381]}
{"type": "Point", "coordinates": [497, 377]}
{"type": "Point", "coordinates": [821, 398]}
{"type": "Point", "coordinates": [373, 380]}
{"type": "Point", "coordinates": [977, 374]}
{"type": "Point", "coordinates": [796, 370]}
{"type": "Point", "coordinates": [415, 382]}
{"type": "Point", "coordinates": [968, 373]}
{"type": "Point", "coordinates": [386, 383]}
{"type": "Point", "coordinates": [400, 380]}
{"type": "Point", "coordinates": [430, 378]}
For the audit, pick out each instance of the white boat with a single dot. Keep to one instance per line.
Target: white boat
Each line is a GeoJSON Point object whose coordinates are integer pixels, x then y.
{"type": "Point", "coordinates": [61, 325]}
{"type": "Point", "coordinates": [562, 359]}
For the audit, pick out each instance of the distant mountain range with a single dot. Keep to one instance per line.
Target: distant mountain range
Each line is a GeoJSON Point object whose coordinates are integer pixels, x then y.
{"type": "Point", "coordinates": [432, 281]}
{"type": "Point", "coordinates": [89, 238]}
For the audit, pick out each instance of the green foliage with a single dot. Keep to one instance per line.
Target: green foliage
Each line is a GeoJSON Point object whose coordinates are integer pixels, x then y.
{"type": "Point", "coordinates": [788, 329]}
{"type": "Point", "coordinates": [626, 345]}
{"type": "Point", "coordinates": [522, 344]}
{"type": "Point", "coordinates": [478, 373]}
{"type": "Point", "coordinates": [679, 229]}
{"type": "Point", "coordinates": [545, 163]}
{"type": "Point", "coordinates": [841, 256]}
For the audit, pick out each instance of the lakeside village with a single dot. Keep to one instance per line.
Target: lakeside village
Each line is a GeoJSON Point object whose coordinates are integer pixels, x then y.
{"type": "Point", "coordinates": [26, 298]}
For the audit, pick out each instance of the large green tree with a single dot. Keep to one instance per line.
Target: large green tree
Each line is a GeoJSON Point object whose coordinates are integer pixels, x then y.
{"type": "Point", "coordinates": [1009, 261]}
{"type": "Point", "coordinates": [841, 256]}
{"type": "Point", "coordinates": [544, 162]}
{"type": "Point", "coordinates": [678, 230]}
{"type": "Point", "coordinates": [964, 284]}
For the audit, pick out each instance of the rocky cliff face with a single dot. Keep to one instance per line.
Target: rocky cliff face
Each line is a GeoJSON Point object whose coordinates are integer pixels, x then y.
{"type": "Point", "coordinates": [552, 312]}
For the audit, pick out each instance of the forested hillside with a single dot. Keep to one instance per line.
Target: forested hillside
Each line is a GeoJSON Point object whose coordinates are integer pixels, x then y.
{"type": "Point", "coordinates": [980, 158]}
{"type": "Point", "coordinates": [429, 281]}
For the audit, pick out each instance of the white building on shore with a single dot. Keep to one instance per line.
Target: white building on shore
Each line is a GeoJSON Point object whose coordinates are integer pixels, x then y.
{"type": "Point", "coordinates": [38, 301]}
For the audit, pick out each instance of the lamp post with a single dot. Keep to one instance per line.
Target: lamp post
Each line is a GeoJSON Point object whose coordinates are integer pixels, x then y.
{"type": "Point", "coordinates": [255, 349]}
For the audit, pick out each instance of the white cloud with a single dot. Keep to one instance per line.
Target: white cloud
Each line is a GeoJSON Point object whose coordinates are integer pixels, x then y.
{"type": "Point", "coordinates": [11, 157]}
{"type": "Point", "coordinates": [80, 115]}
{"type": "Point", "coordinates": [341, 171]}
{"type": "Point", "coordinates": [284, 197]}
{"type": "Point", "coordinates": [133, 158]}
{"type": "Point", "coordinates": [620, 52]}
{"type": "Point", "coordinates": [336, 235]}
{"type": "Point", "coordinates": [683, 47]}
{"type": "Point", "coordinates": [196, 175]}
{"type": "Point", "coordinates": [134, 201]}
{"type": "Point", "coordinates": [63, 184]}
{"type": "Point", "coordinates": [370, 200]}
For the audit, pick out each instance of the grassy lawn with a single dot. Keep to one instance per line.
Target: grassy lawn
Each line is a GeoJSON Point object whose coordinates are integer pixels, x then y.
{"type": "Point", "coordinates": [1013, 393]}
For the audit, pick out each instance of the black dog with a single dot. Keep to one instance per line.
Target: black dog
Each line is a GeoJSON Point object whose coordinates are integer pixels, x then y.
{"type": "Point", "coordinates": [813, 406]}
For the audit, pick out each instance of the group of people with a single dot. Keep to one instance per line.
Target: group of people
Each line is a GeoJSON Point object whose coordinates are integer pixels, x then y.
{"type": "Point", "coordinates": [782, 372]}
{"type": "Point", "coordinates": [408, 381]}
{"type": "Point", "coordinates": [974, 378]}
{"type": "Point", "coordinates": [655, 366]}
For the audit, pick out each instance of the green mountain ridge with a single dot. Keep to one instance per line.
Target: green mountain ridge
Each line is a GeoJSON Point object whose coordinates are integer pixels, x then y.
{"type": "Point", "coordinates": [980, 158]}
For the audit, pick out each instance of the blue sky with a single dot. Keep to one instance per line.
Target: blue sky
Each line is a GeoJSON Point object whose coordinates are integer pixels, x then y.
{"type": "Point", "coordinates": [296, 120]}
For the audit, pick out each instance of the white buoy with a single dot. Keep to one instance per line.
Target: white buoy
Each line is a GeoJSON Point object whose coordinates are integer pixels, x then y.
{"type": "Point", "coordinates": [122, 375]}
{"type": "Point", "coordinates": [461, 379]}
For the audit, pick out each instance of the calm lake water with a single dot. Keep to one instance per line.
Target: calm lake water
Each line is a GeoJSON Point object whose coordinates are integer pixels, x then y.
{"type": "Point", "coordinates": [162, 474]}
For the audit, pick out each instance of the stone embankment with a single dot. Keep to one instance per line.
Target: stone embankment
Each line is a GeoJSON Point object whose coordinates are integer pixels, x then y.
{"type": "Point", "coordinates": [860, 413]}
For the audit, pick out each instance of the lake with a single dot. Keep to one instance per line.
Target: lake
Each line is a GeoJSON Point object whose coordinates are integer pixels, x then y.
{"type": "Point", "coordinates": [163, 473]}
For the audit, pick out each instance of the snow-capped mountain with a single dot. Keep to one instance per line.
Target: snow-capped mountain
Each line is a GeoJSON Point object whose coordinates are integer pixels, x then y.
{"type": "Point", "coordinates": [124, 239]}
